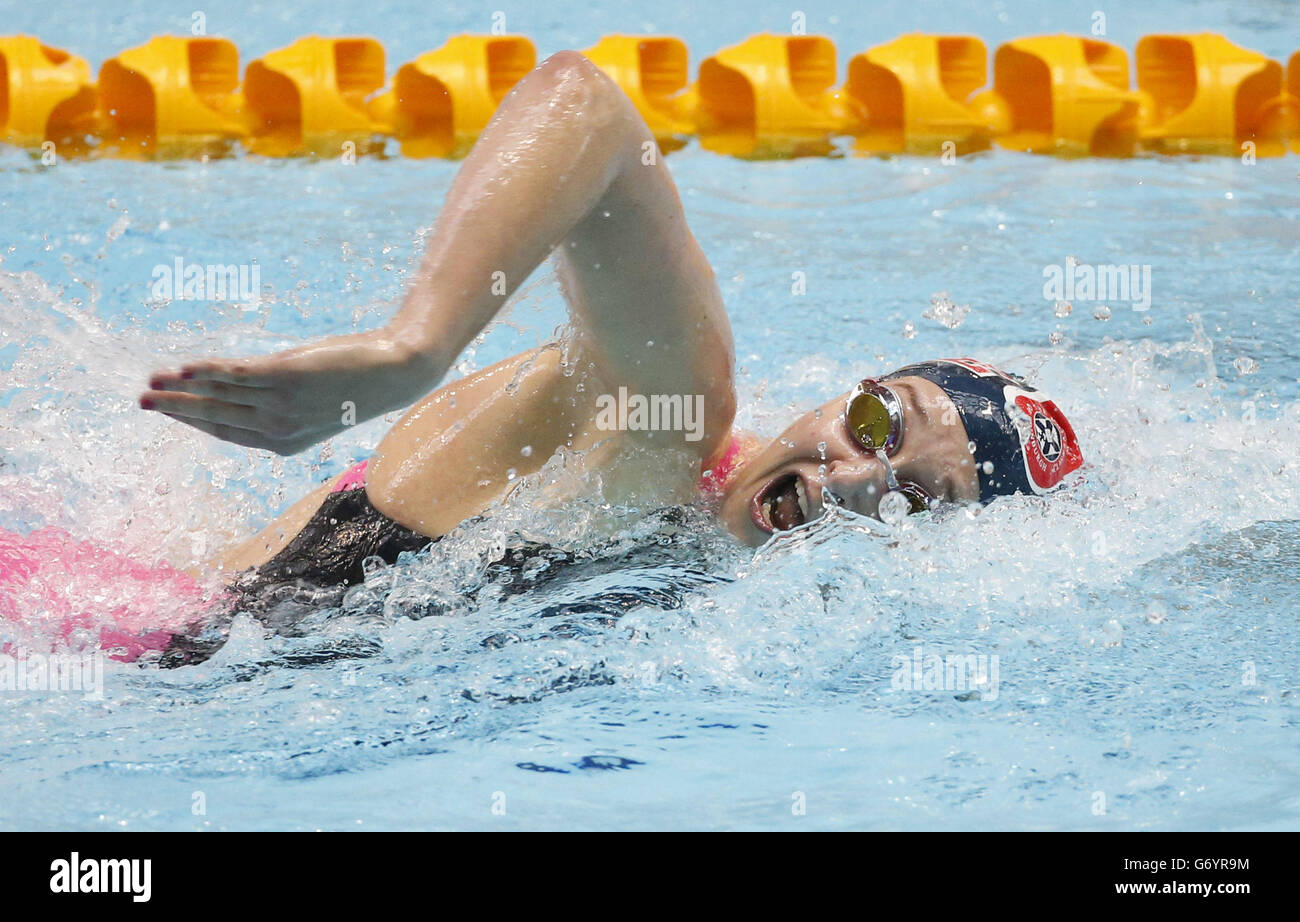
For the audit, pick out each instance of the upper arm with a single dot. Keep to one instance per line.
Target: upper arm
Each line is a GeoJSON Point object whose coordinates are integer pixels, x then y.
{"type": "Point", "coordinates": [641, 291]}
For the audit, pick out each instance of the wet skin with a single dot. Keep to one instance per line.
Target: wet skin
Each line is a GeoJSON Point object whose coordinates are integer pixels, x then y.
{"type": "Point", "coordinates": [933, 454]}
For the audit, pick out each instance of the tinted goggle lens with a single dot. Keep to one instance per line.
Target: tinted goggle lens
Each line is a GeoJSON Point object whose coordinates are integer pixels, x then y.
{"type": "Point", "coordinates": [917, 499]}
{"type": "Point", "coordinates": [869, 419]}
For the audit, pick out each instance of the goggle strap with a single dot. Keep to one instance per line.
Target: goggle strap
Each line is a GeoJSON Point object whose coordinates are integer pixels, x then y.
{"type": "Point", "coordinates": [890, 478]}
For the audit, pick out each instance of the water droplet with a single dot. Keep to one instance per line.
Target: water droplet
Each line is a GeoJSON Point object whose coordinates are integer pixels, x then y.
{"type": "Point", "coordinates": [893, 508]}
{"type": "Point", "coordinates": [909, 330]}
{"type": "Point", "coordinates": [988, 467]}
{"type": "Point", "coordinates": [526, 451]}
{"type": "Point", "coordinates": [511, 473]}
{"type": "Point", "coordinates": [1102, 312]}
{"type": "Point", "coordinates": [1062, 308]}
{"type": "Point", "coordinates": [821, 450]}
{"type": "Point", "coordinates": [1245, 365]}
{"type": "Point", "coordinates": [946, 311]}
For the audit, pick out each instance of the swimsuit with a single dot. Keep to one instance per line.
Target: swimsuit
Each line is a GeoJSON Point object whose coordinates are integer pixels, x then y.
{"type": "Point", "coordinates": [334, 543]}
{"type": "Point", "coordinates": [330, 552]}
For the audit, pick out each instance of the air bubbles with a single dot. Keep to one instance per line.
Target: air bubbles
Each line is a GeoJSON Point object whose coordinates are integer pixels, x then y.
{"type": "Point", "coordinates": [526, 451]}
{"type": "Point", "coordinates": [909, 330]}
{"type": "Point", "coordinates": [1062, 308]}
{"type": "Point", "coordinates": [1102, 313]}
{"type": "Point", "coordinates": [1245, 365]}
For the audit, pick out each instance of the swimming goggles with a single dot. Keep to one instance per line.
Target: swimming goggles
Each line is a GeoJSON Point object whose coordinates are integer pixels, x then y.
{"type": "Point", "coordinates": [873, 416]}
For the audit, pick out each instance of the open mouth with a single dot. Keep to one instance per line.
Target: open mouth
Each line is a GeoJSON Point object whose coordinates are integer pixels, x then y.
{"type": "Point", "coordinates": [782, 504]}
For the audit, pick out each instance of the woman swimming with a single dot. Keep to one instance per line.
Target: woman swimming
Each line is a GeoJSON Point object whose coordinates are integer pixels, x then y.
{"type": "Point", "coordinates": [568, 166]}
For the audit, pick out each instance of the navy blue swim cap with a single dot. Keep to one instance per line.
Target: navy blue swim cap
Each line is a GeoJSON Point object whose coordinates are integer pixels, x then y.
{"type": "Point", "coordinates": [1021, 441]}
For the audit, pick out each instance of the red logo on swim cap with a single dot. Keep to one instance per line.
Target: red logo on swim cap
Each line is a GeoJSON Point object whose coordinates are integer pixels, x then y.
{"type": "Point", "coordinates": [1049, 445]}
{"type": "Point", "coordinates": [983, 369]}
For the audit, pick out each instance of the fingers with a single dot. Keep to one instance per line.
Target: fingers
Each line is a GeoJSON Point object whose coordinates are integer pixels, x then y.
{"type": "Point", "coordinates": [204, 387]}
{"type": "Point", "coordinates": [205, 409]}
{"type": "Point", "coordinates": [243, 373]}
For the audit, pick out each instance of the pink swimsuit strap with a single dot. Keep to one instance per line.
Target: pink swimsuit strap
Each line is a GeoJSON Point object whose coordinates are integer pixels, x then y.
{"type": "Point", "coordinates": [353, 479]}
{"type": "Point", "coordinates": [715, 480]}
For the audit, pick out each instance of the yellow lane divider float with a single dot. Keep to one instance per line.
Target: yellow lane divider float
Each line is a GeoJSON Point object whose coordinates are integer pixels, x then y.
{"type": "Point", "coordinates": [654, 72]}
{"type": "Point", "coordinates": [1065, 95]}
{"type": "Point", "coordinates": [171, 97]}
{"type": "Point", "coordinates": [310, 98]}
{"type": "Point", "coordinates": [45, 93]}
{"type": "Point", "coordinates": [442, 101]}
{"type": "Point", "coordinates": [1292, 123]}
{"type": "Point", "coordinates": [911, 96]}
{"type": "Point", "coordinates": [1209, 96]}
{"type": "Point", "coordinates": [769, 96]}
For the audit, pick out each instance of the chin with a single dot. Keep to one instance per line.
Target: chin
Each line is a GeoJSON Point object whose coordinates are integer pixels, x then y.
{"type": "Point", "coordinates": [736, 517]}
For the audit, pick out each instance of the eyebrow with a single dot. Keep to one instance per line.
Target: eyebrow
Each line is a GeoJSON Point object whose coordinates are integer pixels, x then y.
{"type": "Point", "coordinates": [912, 404]}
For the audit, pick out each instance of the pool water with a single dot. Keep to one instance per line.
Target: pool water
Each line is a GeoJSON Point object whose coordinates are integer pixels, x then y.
{"type": "Point", "coordinates": [1137, 634]}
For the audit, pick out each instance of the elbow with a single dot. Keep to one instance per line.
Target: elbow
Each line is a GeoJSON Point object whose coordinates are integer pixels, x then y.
{"type": "Point", "coordinates": [567, 65]}
{"type": "Point", "coordinates": [579, 88]}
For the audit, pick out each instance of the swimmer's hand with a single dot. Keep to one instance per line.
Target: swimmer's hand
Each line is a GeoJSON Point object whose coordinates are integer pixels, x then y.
{"type": "Point", "coordinates": [291, 400]}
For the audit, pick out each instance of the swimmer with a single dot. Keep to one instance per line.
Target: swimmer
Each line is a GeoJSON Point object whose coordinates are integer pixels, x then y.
{"type": "Point", "coordinates": [568, 166]}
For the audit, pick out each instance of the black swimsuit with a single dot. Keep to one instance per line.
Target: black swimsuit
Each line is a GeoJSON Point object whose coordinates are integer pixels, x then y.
{"type": "Point", "coordinates": [331, 547]}
{"type": "Point", "coordinates": [315, 569]}
{"type": "Point", "coordinates": [329, 552]}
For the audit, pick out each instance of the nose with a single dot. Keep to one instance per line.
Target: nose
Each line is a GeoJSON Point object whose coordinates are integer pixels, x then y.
{"type": "Point", "coordinates": [858, 483]}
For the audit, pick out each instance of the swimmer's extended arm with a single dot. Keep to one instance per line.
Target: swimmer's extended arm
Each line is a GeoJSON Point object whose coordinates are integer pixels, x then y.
{"type": "Point", "coordinates": [566, 162]}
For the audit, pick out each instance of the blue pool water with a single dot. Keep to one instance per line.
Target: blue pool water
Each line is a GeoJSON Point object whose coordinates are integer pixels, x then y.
{"type": "Point", "coordinates": [1144, 625]}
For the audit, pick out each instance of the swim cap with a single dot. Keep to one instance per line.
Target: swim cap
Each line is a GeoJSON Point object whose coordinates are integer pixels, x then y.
{"type": "Point", "coordinates": [1021, 441]}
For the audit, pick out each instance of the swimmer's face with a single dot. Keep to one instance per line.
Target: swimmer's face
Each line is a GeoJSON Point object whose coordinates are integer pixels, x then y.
{"type": "Point", "coordinates": [781, 487]}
